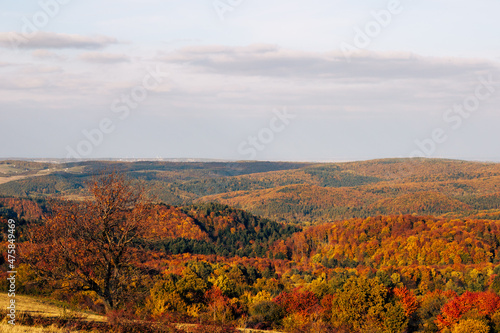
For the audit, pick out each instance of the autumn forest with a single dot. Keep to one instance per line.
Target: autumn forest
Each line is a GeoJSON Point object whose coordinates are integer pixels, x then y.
{"type": "Point", "coordinates": [394, 245]}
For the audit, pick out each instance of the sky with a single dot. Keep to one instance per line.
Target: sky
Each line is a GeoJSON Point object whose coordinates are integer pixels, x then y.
{"type": "Point", "coordinates": [316, 80]}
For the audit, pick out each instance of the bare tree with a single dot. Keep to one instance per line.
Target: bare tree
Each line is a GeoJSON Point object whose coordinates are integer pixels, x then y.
{"type": "Point", "coordinates": [88, 245]}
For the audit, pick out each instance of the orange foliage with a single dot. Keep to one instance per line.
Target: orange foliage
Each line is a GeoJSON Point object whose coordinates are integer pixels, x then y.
{"type": "Point", "coordinates": [485, 303]}
{"type": "Point", "coordinates": [298, 301]}
{"type": "Point", "coordinates": [170, 222]}
{"type": "Point", "coordinates": [400, 241]}
{"type": "Point", "coordinates": [408, 300]}
{"type": "Point", "coordinates": [24, 208]}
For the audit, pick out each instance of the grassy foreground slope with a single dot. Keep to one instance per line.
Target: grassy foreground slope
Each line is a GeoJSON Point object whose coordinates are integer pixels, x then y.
{"type": "Point", "coordinates": [49, 308]}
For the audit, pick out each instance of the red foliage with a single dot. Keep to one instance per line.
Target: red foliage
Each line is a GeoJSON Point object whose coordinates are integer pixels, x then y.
{"type": "Point", "coordinates": [327, 306]}
{"type": "Point", "coordinates": [298, 300]}
{"type": "Point", "coordinates": [220, 308]}
{"type": "Point", "coordinates": [24, 208]}
{"type": "Point", "coordinates": [215, 296]}
{"type": "Point", "coordinates": [408, 300]}
{"type": "Point", "coordinates": [485, 303]}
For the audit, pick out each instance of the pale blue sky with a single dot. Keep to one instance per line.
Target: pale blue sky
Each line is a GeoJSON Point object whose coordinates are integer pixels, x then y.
{"type": "Point", "coordinates": [221, 83]}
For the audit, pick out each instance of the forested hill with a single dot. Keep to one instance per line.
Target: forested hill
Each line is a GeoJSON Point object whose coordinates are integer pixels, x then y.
{"type": "Point", "coordinates": [197, 229]}
{"type": "Point", "coordinates": [396, 241]}
{"type": "Point", "coordinates": [212, 229]}
{"type": "Point", "coordinates": [286, 192]}
{"type": "Point", "coordinates": [360, 189]}
{"type": "Point", "coordinates": [409, 245]}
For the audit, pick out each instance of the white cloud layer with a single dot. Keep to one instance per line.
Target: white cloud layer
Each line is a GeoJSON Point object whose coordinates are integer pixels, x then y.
{"type": "Point", "coordinates": [104, 58]}
{"type": "Point", "coordinates": [270, 60]}
{"type": "Point", "coordinates": [50, 40]}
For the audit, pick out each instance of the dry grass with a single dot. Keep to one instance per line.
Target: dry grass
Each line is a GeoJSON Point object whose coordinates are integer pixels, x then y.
{"type": "Point", "coordinates": [36, 306]}
{"type": "Point", "coordinates": [39, 307]}
{"type": "Point", "coordinates": [75, 197]}
{"type": "Point", "coordinates": [7, 328]}
{"type": "Point", "coordinates": [5, 179]}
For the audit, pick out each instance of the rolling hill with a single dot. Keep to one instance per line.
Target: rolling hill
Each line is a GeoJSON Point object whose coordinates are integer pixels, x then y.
{"type": "Point", "coordinates": [292, 192]}
{"type": "Point", "coordinates": [283, 245]}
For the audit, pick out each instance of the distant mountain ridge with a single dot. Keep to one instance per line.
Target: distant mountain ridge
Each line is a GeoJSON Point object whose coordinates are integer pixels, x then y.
{"type": "Point", "coordinates": [284, 191]}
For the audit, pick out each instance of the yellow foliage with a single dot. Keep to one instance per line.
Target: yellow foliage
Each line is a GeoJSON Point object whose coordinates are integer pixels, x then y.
{"type": "Point", "coordinates": [194, 310]}
{"type": "Point", "coordinates": [294, 322]}
{"type": "Point", "coordinates": [470, 325]}
{"type": "Point", "coordinates": [261, 296]}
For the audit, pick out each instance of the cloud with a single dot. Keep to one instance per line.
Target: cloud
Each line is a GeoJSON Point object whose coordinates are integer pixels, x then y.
{"type": "Point", "coordinates": [104, 58]}
{"type": "Point", "coordinates": [33, 70]}
{"type": "Point", "coordinates": [24, 83]}
{"type": "Point", "coordinates": [270, 60]}
{"type": "Point", "coordinates": [47, 55]}
{"type": "Point", "coordinates": [51, 40]}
